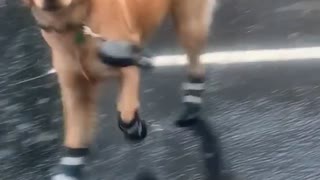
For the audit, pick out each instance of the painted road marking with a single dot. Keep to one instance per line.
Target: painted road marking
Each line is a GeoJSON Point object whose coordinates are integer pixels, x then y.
{"type": "Point", "coordinates": [228, 57]}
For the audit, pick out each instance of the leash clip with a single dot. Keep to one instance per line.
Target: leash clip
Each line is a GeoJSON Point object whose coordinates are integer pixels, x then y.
{"type": "Point", "coordinates": [88, 31]}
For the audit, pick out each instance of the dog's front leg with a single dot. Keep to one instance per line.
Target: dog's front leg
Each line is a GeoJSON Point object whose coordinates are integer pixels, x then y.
{"type": "Point", "coordinates": [78, 99]}
{"type": "Point", "coordinates": [79, 108]}
{"type": "Point", "coordinates": [120, 54]}
{"type": "Point", "coordinates": [128, 104]}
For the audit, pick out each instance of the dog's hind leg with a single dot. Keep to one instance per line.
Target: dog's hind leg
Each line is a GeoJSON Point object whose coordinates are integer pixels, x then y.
{"type": "Point", "coordinates": [192, 20]}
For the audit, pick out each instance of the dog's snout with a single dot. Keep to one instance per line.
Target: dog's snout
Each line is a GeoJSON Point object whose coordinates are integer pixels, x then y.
{"type": "Point", "coordinates": [51, 5]}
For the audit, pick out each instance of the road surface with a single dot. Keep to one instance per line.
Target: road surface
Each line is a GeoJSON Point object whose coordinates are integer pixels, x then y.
{"type": "Point", "coordinates": [262, 118]}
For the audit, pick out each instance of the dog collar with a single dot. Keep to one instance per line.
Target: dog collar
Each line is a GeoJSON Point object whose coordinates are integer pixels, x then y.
{"type": "Point", "coordinates": [67, 28]}
{"type": "Point", "coordinates": [79, 37]}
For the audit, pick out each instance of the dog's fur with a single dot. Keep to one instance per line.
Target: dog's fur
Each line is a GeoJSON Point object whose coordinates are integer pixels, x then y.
{"type": "Point", "coordinates": [78, 68]}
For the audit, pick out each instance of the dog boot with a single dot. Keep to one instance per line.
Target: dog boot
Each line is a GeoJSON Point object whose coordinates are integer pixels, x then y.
{"type": "Point", "coordinates": [124, 54]}
{"type": "Point", "coordinates": [144, 58]}
{"type": "Point", "coordinates": [71, 165]}
{"type": "Point", "coordinates": [136, 130]}
{"type": "Point", "coordinates": [192, 100]}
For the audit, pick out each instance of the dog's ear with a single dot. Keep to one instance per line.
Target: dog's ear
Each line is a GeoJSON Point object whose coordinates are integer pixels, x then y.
{"type": "Point", "coordinates": [27, 2]}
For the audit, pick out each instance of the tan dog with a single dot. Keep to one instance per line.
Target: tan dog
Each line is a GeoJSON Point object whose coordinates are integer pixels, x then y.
{"type": "Point", "coordinates": [79, 69]}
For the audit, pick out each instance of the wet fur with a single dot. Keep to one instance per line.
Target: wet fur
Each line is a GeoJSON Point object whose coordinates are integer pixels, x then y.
{"type": "Point", "coordinates": [79, 70]}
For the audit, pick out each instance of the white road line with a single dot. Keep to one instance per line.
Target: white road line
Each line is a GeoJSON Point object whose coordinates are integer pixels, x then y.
{"type": "Point", "coordinates": [51, 71]}
{"type": "Point", "coordinates": [229, 57]}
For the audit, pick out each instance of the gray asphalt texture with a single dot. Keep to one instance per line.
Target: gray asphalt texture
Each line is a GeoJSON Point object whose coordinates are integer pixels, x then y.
{"type": "Point", "coordinates": [261, 119]}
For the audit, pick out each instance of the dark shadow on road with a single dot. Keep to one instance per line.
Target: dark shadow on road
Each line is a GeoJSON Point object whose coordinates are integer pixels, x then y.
{"type": "Point", "coordinates": [146, 175]}
{"type": "Point", "coordinates": [211, 151]}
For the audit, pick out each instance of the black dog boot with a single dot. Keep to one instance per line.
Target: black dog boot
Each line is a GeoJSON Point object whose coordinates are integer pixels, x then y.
{"type": "Point", "coordinates": [136, 130]}
{"type": "Point", "coordinates": [71, 165]}
{"type": "Point", "coordinates": [192, 100]}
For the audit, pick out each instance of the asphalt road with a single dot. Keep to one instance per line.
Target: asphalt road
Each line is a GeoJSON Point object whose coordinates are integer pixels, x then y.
{"type": "Point", "coordinates": [262, 118]}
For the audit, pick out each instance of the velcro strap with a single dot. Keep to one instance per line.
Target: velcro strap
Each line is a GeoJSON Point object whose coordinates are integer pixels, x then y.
{"type": "Point", "coordinates": [192, 99]}
{"type": "Point", "coordinates": [116, 49]}
{"type": "Point", "coordinates": [123, 54]}
{"type": "Point", "coordinates": [63, 177]}
{"type": "Point", "coordinates": [193, 90]}
{"type": "Point", "coordinates": [117, 62]}
{"type": "Point", "coordinates": [72, 161]}
{"type": "Point", "coordinates": [193, 86]}
{"type": "Point", "coordinates": [117, 53]}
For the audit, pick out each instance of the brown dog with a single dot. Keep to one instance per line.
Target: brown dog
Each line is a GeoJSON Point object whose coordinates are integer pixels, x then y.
{"type": "Point", "coordinates": [79, 69]}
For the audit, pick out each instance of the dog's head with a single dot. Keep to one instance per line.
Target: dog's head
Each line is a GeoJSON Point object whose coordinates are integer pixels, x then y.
{"type": "Point", "coordinates": [49, 5]}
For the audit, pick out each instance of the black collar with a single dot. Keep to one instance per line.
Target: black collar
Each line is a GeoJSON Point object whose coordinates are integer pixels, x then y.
{"type": "Point", "coordinates": [67, 28]}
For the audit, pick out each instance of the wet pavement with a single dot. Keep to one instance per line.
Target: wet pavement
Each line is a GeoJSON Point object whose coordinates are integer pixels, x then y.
{"type": "Point", "coordinates": [262, 119]}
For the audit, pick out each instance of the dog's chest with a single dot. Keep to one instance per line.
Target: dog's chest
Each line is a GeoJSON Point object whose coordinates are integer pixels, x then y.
{"type": "Point", "coordinates": [47, 19]}
{"type": "Point", "coordinates": [126, 19]}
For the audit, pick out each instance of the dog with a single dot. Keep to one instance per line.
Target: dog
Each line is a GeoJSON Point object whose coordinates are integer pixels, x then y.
{"type": "Point", "coordinates": [91, 40]}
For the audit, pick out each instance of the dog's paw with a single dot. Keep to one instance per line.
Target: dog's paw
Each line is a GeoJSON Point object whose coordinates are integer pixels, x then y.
{"type": "Point", "coordinates": [187, 122]}
{"type": "Point", "coordinates": [189, 116]}
{"type": "Point", "coordinates": [136, 130]}
{"type": "Point", "coordinates": [138, 135]}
